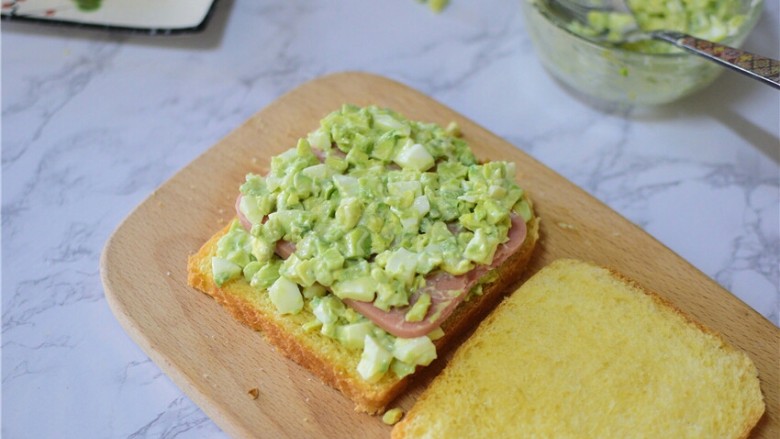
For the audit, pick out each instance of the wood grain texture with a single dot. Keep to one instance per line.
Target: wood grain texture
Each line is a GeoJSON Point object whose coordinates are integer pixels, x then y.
{"type": "Point", "coordinates": [216, 361]}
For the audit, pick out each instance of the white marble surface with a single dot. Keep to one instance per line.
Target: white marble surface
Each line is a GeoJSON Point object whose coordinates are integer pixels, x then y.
{"type": "Point", "coordinates": [93, 122]}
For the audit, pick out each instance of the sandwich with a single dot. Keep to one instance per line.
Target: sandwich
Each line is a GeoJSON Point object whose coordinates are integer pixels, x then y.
{"type": "Point", "coordinates": [368, 247]}
{"type": "Point", "coordinates": [580, 350]}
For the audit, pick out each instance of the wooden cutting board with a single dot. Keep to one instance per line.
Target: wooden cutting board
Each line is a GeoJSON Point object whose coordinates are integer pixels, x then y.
{"type": "Point", "coordinates": [216, 361]}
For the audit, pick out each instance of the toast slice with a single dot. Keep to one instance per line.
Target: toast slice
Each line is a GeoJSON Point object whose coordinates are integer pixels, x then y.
{"type": "Point", "coordinates": [368, 248]}
{"type": "Point", "coordinates": [582, 351]}
{"type": "Point", "coordinates": [325, 357]}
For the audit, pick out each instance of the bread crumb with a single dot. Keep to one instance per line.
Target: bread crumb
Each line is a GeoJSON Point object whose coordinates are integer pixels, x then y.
{"type": "Point", "coordinates": [168, 273]}
{"type": "Point", "coordinates": [254, 392]}
{"type": "Point", "coordinates": [392, 416]}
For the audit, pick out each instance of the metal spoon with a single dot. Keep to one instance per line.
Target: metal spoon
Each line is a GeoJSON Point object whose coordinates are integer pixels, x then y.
{"type": "Point", "coordinates": [761, 68]}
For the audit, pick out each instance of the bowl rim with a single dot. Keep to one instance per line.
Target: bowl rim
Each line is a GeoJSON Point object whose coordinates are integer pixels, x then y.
{"type": "Point", "coordinates": [754, 13]}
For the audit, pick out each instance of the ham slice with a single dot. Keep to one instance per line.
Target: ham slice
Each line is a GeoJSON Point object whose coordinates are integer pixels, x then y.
{"type": "Point", "coordinates": [447, 291]}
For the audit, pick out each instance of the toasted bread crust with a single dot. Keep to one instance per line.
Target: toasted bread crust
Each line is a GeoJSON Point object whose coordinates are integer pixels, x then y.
{"type": "Point", "coordinates": [757, 411]}
{"type": "Point", "coordinates": [428, 417]}
{"type": "Point", "coordinates": [324, 357]}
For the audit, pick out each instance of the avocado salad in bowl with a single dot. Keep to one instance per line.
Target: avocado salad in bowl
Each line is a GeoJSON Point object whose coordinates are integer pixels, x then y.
{"type": "Point", "coordinates": [643, 71]}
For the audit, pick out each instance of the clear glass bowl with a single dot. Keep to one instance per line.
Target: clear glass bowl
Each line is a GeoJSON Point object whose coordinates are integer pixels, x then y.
{"type": "Point", "coordinates": [615, 75]}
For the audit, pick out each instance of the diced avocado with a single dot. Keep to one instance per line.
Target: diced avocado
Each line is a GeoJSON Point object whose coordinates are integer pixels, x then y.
{"type": "Point", "coordinates": [223, 270]}
{"type": "Point", "coordinates": [494, 212]}
{"type": "Point", "coordinates": [327, 309]}
{"type": "Point", "coordinates": [481, 247]}
{"type": "Point", "coordinates": [420, 308]}
{"type": "Point", "coordinates": [401, 369]}
{"type": "Point", "coordinates": [410, 222]}
{"type": "Point", "coordinates": [266, 275]}
{"type": "Point", "coordinates": [453, 129]}
{"type": "Point", "coordinates": [273, 229]}
{"type": "Point", "coordinates": [311, 325]}
{"type": "Point", "coordinates": [363, 289]}
{"type": "Point", "coordinates": [357, 243]}
{"type": "Point", "coordinates": [329, 330]}
{"type": "Point", "coordinates": [348, 212]}
{"type": "Point", "coordinates": [374, 361]}
{"type": "Point", "coordinates": [438, 5]}
{"type": "Point", "coordinates": [354, 334]}
{"type": "Point", "coordinates": [250, 269]}
{"type": "Point", "coordinates": [304, 273]}
{"type": "Point", "coordinates": [497, 192]}
{"type": "Point", "coordinates": [286, 296]}
{"type": "Point", "coordinates": [384, 146]}
{"type": "Point", "coordinates": [323, 274]}
{"type": "Point", "coordinates": [436, 334]}
{"type": "Point", "coordinates": [524, 210]}
{"type": "Point", "coordinates": [418, 350]}
{"type": "Point", "coordinates": [300, 271]}
{"type": "Point", "coordinates": [235, 246]}
{"type": "Point", "coordinates": [392, 295]}
{"type": "Point", "coordinates": [332, 258]}
{"type": "Point", "coordinates": [455, 265]}
{"type": "Point", "coordinates": [429, 259]}
{"type": "Point", "coordinates": [337, 164]}
{"type": "Point", "coordinates": [262, 250]}
{"type": "Point", "coordinates": [303, 185]}
{"type": "Point", "coordinates": [315, 290]}
{"type": "Point", "coordinates": [392, 416]}
{"type": "Point", "coordinates": [412, 188]}
{"type": "Point", "coordinates": [254, 185]}
{"type": "Point", "coordinates": [352, 316]}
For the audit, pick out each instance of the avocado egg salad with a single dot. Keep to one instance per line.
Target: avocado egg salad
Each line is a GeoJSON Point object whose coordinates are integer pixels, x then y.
{"type": "Point", "coordinates": [379, 227]}
{"type": "Point", "coordinates": [713, 20]}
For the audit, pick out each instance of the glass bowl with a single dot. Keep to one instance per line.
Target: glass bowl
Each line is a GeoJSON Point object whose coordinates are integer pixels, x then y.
{"type": "Point", "coordinates": [615, 75]}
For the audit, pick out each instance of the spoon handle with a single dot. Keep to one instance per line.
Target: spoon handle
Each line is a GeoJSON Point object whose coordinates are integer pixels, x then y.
{"type": "Point", "coordinates": [766, 70]}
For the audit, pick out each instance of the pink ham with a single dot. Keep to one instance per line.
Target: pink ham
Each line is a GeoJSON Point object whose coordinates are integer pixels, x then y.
{"type": "Point", "coordinates": [446, 291]}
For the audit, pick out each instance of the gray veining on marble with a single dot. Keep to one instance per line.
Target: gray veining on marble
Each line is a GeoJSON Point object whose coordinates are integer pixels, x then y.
{"type": "Point", "coordinates": [94, 122]}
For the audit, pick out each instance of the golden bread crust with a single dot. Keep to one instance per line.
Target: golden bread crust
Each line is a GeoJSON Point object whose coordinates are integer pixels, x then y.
{"type": "Point", "coordinates": [324, 357]}
{"type": "Point", "coordinates": [580, 349]}
{"type": "Point", "coordinates": [756, 411]}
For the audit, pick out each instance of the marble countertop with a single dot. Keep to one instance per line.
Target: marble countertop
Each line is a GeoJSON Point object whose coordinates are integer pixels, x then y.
{"type": "Point", "coordinates": [93, 122]}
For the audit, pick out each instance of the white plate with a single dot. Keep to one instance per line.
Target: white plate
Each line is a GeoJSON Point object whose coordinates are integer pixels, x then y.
{"type": "Point", "coordinates": [149, 16]}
